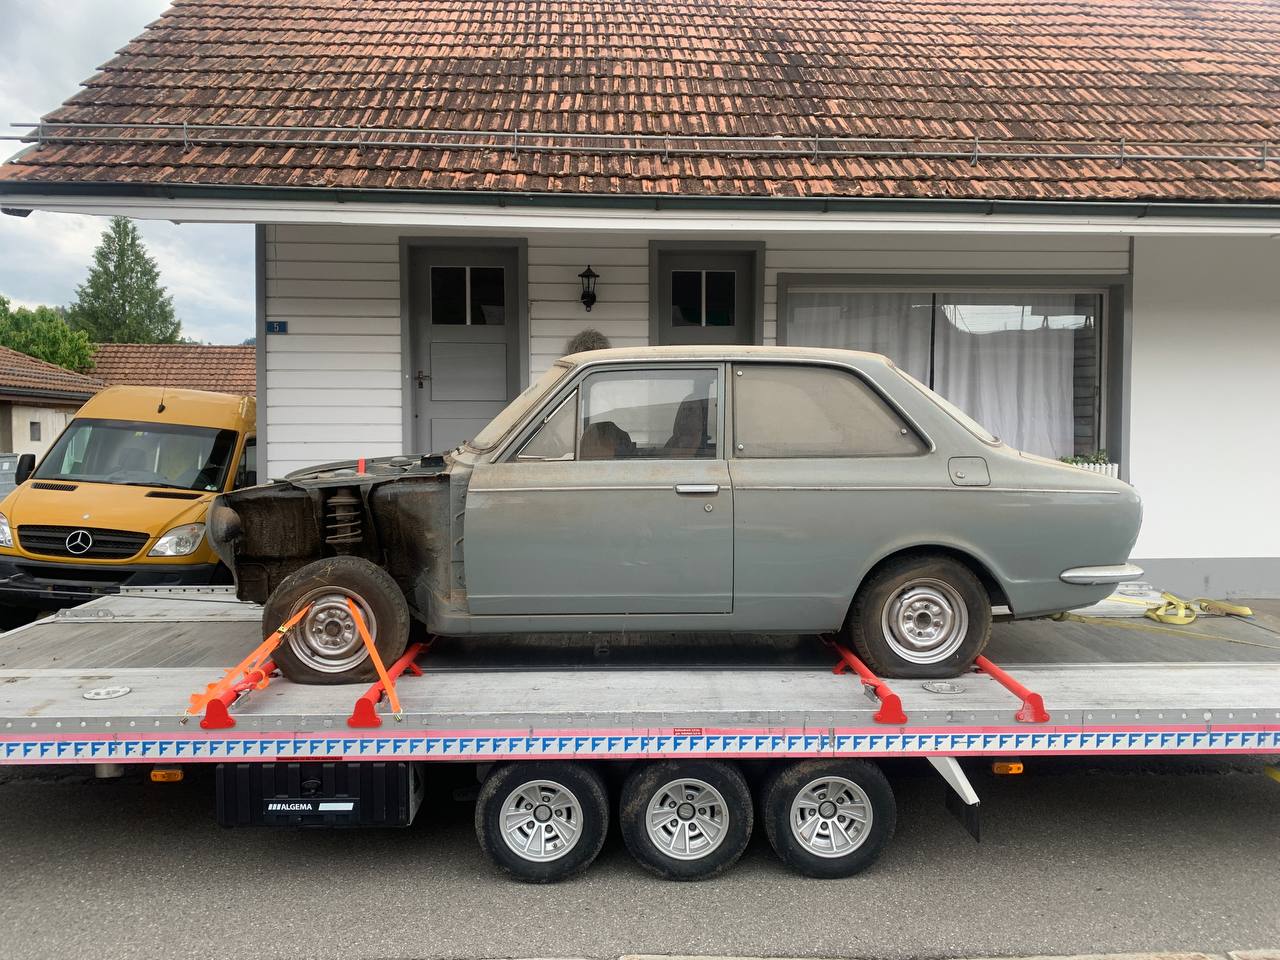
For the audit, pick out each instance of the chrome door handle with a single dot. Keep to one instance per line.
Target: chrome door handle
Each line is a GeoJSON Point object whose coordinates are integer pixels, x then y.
{"type": "Point", "coordinates": [694, 488]}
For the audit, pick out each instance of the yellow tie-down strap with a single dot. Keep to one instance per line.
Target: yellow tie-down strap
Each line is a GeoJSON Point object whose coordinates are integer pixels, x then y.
{"type": "Point", "coordinates": [1172, 610]}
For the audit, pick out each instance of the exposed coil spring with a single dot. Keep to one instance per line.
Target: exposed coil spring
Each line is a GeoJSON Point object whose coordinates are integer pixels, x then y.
{"type": "Point", "coordinates": [342, 521]}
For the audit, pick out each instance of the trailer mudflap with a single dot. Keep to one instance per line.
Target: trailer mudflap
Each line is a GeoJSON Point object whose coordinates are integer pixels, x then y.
{"type": "Point", "coordinates": [319, 794]}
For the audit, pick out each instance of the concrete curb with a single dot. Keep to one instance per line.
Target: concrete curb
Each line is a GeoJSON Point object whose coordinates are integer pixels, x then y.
{"type": "Point", "coordinates": [1230, 955]}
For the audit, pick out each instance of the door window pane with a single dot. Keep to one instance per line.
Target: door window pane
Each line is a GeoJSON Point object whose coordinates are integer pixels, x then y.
{"type": "Point", "coordinates": [720, 293]}
{"type": "Point", "coordinates": [554, 439]}
{"type": "Point", "coordinates": [448, 295]}
{"type": "Point", "coordinates": [488, 296]}
{"type": "Point", "coordinates": [791, 411]}
{"type": "Point", "coordinates": [664, 415]}
{"type": "Point", "coordinates": [686, 298]}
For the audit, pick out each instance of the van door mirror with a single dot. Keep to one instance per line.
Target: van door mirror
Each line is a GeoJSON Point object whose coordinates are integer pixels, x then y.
{"type": "Point", "coordinates": [26, 466]}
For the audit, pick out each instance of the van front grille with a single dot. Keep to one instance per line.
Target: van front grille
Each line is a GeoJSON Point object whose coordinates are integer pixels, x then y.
{"type": "Point", "coordinates": [89, 543]}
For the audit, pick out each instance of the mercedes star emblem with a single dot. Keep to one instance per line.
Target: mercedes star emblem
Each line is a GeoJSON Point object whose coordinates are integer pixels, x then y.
{"type": "Point", "coordinates": [79, 541]}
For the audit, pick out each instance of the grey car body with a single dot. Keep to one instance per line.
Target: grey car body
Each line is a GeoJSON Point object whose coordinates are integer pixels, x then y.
{"type": "Point", "coordinates": [740, 535]}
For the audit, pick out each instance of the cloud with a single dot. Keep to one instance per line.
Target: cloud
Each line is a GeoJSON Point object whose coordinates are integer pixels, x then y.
{"type": "Point", "coordinates": [49, 47]}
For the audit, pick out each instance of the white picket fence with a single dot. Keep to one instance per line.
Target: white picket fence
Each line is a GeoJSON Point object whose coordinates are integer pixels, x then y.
{"type": "Point", "coordinates": [1106, 469]}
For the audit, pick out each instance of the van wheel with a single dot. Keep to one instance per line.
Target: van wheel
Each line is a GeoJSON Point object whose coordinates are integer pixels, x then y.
{"type": "Point", "coordinates": [686, 819]}
{"type": "Point", "coordinates": [542, 820]}
{"type": "Point", "coordinates": [829, 818]}
{"type": "Point", "coordinates": [924, 617]}
{"type": "Point", "coordinates": [325, 646]}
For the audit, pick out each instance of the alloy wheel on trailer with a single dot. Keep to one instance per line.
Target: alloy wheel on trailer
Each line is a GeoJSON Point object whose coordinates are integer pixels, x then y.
{"type": "Point", "coordinates": [828, 818]}
{"type": "Point", "coordinates": [542, 821]}
{"type": "Point", "coordinates": [686, 819]}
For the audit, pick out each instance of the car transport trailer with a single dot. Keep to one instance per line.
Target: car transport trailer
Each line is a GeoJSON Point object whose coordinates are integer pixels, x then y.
{"type": "Point", "coordinates": [109, 684]}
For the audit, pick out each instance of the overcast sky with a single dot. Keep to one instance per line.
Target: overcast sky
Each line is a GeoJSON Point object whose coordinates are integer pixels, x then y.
{"type": "Point", "coordinates": [47, 48]}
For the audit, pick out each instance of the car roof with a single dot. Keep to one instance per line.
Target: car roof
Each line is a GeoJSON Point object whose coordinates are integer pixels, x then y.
{"type": "Point", "coordinates": [711, 352]}
{"type": "Point", "coordinates": [169, 405]}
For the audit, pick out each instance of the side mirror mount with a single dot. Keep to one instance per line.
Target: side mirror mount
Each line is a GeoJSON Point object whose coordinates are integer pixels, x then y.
{"type": "Point", "coordinates": [25, 467]}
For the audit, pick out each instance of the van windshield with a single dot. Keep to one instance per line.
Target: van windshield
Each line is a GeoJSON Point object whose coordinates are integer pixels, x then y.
{"type": "Point", "coordinates": [140, 454]}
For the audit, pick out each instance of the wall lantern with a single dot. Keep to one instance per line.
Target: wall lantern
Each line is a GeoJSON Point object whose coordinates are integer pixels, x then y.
{"type": "Point", "coordinates": [588, 278]}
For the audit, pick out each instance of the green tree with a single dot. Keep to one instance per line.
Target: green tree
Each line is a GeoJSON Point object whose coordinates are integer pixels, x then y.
{"type": "Point", "coordinates": [43, 333]}
{"type": "Point", "coordinates": [122, 300]}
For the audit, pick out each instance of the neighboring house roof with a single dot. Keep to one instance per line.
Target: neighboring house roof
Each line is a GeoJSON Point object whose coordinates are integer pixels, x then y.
{"type": "Point", "coordinates": [23, 377]}
{"type": "Point", "coordinates": [190, 366]}
{"type": "Point", "coordinates": [1072, 100]}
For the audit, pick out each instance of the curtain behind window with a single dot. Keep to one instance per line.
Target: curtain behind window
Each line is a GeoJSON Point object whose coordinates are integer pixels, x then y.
{"type": "Point", "coordinates": [1022, 363]}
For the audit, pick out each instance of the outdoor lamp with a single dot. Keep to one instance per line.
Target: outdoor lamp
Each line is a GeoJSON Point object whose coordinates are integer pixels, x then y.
{"type": "Point", "coordinates": [588, 278]}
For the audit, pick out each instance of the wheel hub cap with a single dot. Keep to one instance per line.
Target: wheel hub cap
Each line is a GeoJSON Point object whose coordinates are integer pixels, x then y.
{"type": "Point", "coordinates": [831, 817]}
{"type": "Point", "coordinates": [925, 621]}
{"type": "Point", "coordinates": [687, 819]}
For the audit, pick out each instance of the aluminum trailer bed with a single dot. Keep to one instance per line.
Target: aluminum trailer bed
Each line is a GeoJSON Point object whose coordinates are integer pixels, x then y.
{"type": "Point", "coordinates": [108, 684]}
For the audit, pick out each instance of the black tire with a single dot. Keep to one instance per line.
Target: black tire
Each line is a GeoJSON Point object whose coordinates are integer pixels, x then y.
{"type": "Point", "coordinates": [934, 578]}
{"type": "Point", "coordinates": [788, 782]}
{"type": "Point", "coordinates": [575, 780]}
{"type": "Point", "coordinates": [386, 615]}
{"type": "Point", "coordinates": [649, 782]}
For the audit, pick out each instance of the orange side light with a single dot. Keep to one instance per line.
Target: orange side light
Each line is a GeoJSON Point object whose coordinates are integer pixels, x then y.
{"type": "Point", "coordinates": [1006, 768]}
{"type": "Point", "coordinates": [166, 774]}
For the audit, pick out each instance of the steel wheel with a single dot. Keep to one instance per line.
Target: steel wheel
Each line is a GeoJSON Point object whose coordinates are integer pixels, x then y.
{"type": "Point", "coordinates": [925, 621]}
{"type": "Point", "coordinates": [687, 819]}
{"type": "Point", "coordinates": [327, 638]}
{"type": "Point", "coordinates": [541, 821]}
{"type": "Point", "coordinates": [831, 817]}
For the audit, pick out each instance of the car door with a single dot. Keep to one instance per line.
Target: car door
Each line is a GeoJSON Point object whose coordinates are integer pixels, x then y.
{"type": "Point", "coordinates": [616, 502]}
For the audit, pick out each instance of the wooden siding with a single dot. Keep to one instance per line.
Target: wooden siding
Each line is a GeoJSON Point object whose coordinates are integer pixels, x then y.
{"type": "Point", "coordinates": [332, 387]}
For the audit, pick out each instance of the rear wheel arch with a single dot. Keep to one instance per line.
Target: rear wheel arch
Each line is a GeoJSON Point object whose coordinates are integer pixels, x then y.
{"type": "Point", "coordinates": [979, 568]}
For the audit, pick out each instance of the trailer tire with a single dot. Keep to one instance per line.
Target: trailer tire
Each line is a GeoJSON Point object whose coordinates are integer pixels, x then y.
{"type": "Point", "coordinates": [303, 654]}
{"type": "Point", "coordinates": [923, 617]}
{"type": "Point", "coordinates": [558, 798]}
{"type": "Point", "coordinates": [797, 794]}
{"type": "Point", "coordinates": [713, 793]}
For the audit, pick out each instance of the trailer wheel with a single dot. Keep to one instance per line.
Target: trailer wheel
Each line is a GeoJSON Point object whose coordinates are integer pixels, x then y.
{"type": "Point", "coordinates": [542, 821]}
{"type": "Point", "coordinates": [686, 819]}
{"type": "Point", "coordinates": [326, 646]}
{"type": "Point", "coordinates": [829, 818]}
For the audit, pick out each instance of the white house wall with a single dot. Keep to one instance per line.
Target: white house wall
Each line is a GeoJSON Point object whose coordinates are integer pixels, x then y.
{"type": "Point", "coordinates": [1203, 414]}
{"type": "Point", "coordinates": [333, 384]}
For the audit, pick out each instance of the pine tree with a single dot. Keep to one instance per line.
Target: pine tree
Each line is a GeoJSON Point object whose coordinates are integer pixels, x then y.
{"type": "Point", "coordinates": [122, 300]}
{"type": "Point", "coordinates": [43, 333]}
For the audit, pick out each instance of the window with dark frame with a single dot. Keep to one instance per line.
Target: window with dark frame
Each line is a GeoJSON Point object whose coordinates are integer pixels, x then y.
{"type": "Point", "coordinates": [703, 298]}
{"type": "Point", "coordinates": [473, 296]}
{"type": "Point", "coordinates": [1026, 363]}
{"type": "Point", "coordinates": [35, 431]}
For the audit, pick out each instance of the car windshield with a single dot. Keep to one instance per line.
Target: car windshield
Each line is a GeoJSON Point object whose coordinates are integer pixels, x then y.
{"type": "Point", "coordinates": [962, 418]}
{"type": "Point", "coordinates": [140, 454]}
{"type": "Point", "coordinates": [515, 411]}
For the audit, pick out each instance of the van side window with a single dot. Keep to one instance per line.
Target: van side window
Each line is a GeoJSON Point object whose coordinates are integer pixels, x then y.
{"type": "Point", "coordinates": [247, 471]}
{"type": "Point", "coordinates": [811, 411]}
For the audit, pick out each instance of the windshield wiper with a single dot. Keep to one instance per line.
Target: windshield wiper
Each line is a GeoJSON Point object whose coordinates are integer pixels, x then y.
{"type": "Point", "coordinates": [140, 483]}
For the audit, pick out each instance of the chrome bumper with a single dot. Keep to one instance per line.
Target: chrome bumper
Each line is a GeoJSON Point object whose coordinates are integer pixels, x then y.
{"type": "Point", "coordinates": [1112, 573]}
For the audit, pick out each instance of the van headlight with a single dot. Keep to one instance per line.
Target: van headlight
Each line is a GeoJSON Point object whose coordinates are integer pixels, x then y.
{"type": "Point", "coordinates": [6, 535]}
{"type": "Point", "coordinates": [179, 542]}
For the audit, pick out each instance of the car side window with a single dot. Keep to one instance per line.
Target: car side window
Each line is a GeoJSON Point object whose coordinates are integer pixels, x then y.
{"type": "Point", "coordinates": [655, 414]}
{"type": "Point", "coordinates": [784, 411]}
{"type": "Point", "coordinates": [247, 470]}
{"type": "Point", "coordinates": [555, 439]}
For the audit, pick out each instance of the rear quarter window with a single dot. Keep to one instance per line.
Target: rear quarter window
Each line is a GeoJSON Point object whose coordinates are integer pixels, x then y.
{"type": "Point", "coordinates": [812, 411]}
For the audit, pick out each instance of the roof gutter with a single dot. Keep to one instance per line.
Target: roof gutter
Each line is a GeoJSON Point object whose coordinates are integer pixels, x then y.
{"type": "Point", "coordinates": [273, 204]}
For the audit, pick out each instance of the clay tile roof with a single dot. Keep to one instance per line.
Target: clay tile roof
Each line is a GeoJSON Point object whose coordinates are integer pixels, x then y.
{"type": "Point", "coordinates": [1060, 100]}
{"type": "Point", "coordinates": [222, 369]}
{"type": "Point", "coordinates": [24, 376]}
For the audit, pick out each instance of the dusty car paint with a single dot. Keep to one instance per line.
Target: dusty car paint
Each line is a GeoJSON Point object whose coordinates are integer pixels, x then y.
{"type": "Point", "coordinates": [481, 542]}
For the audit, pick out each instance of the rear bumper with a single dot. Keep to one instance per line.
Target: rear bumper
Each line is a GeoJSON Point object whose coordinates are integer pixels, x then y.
{"type": "Point", "coordinates": [1092, 576]}
{"type": "Point", "coordinates": [35, 583]}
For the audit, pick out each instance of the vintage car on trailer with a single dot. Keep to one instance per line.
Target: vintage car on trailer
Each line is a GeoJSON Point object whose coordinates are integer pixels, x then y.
{"type": "Point", "coordinates": [701, 489]}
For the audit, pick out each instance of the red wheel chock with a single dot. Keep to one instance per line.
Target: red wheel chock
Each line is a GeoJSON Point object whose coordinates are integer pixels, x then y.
{"type": "Point", "coordinates": [1032, 710]}
{"type": "Point", "coordinates": [890, 703]}
{"type": "Point", "coordinates": [365, 713]}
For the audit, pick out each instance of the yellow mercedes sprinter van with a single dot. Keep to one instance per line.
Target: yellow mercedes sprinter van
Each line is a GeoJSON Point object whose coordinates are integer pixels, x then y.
{"type": "Point", "coordinates": [120, 498]}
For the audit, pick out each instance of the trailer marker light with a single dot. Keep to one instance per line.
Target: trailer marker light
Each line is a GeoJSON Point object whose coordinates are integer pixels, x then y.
{"type": "Point", "coordinates": [166, 774]}
{"type": "Point", "coordinates": [1006, 768]}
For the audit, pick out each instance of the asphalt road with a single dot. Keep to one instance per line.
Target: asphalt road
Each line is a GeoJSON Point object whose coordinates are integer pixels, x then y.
{"type": "Point", "coordinates": [1087, 858]}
